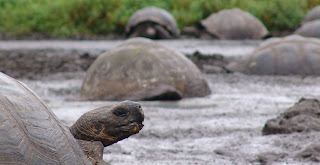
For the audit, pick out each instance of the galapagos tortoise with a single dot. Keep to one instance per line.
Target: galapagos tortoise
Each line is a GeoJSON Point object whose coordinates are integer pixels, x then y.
{"type": "Point", "coordinates": [141, 69]}
{"type": "Point", "coordinates": [314, 14]}
{"type": "Point", "coordinates": [153, 23]}
{"type": "Point", "coordinates": [309, 29]}
{"type": "Point", "coordinates": [234, 24]}
{"type": "Point", "coordinates": [31, 134]}
{"type": "Point", "coordinates": [282, 56]}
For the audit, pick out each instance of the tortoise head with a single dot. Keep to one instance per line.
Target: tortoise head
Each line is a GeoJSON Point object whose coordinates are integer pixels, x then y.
{"type": "Point", "coordinates": [109, 124]}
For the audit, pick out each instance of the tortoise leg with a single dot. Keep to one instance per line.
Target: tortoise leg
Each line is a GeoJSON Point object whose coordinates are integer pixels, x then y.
{"type": "Point", "coordinates": [144, 30]}
{"type": "Point", "coordinates": [93, 151]}
{"type": "Point", "coordinates": [162, 33]}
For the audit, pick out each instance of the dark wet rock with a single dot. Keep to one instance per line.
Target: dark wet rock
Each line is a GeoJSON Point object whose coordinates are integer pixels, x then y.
{"type": "Point", "coordinates": [152, 22]}
{"type": "Point", "coordinates": [209, 63]}
{"type": "Point", "coordinates": [314, 14]}
{"type": "Point", "coordinates": [312, 152]}
{"type": "Point", "coordinates": [304, 116]}
{"type": "Point", "coordinates": [282, 56]}
{"type": "Point", "coordinates": [310, 29]}
{"type": "Point", "coordinates": [141, 69]}
{"type": "Point", "coordinates": [234, 24]}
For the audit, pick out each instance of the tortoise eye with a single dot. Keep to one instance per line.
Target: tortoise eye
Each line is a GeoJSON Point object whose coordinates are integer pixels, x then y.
{"type": "Point", "coordinates": [120, 112]}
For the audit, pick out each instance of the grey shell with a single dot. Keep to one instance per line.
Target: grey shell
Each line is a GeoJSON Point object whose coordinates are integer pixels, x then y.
{"type": "Point", "coordinates": [140, 66]}
{"type": "Point", "coordinates": [234, 24]}
{"type": "Point", "coordinates": [156, 15]}
{"type": "Point", "coordinates": [29, 132]}
{"type": "Point", "coordinates": [314, 14]}
{"type": "Point", "coordinates": [283, 56]}
{"type": "Point", "coordinates": [310, 29]}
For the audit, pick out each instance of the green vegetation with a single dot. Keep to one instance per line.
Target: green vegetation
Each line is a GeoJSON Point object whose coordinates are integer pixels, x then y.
{"type": "Point", "coordinates": [67, 18]}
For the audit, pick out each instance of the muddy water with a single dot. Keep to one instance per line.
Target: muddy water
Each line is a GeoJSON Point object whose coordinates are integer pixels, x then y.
{"type": "Point", "coordinates": [222, 128]}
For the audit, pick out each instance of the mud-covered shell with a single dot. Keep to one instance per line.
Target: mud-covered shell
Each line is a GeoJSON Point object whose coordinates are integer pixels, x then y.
{"type": "Point", "coordinates": [29, 131]}
{"type": "Point", "coordinates": [283, 56]}
{"type": "Point", "coordinates": [155, 15]}
{"type": "Point", "coordinates": [314, 14]}
{"type": "Point", "coordinates": [234, 24]}
{"type": "Point", "coordinates": [310, 29]}
{"type": "Point", "coordinates": [140, 66]}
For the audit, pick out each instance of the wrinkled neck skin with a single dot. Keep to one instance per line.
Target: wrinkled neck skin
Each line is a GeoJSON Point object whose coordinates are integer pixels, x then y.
{"type": "Point", "coordinates": [104, 125]}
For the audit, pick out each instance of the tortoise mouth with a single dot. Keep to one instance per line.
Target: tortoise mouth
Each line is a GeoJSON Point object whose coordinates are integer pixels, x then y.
{"type": "Point", "coordinates": [132, 127]}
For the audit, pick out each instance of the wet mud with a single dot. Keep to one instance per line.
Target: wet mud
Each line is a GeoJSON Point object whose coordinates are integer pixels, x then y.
{"type": "Point", "coordinates": [222, 128]}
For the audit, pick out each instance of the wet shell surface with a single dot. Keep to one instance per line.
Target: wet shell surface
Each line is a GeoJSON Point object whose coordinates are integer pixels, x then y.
{"type": "Point", "coordinates": [234, 24]}
{"type": "Point", "coordinates": [141, 69]}
{"type": "Point", "coordinates": [283, 56]}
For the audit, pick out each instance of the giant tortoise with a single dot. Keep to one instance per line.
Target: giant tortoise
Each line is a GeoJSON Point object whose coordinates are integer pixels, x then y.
{"type": "Point", "coordinates": [141, 69]}
{"type": "Point", "coordinates": [310, 29]}
{"type": "Point", "coordinates": [234, 24]}
{"type": "Point", "coordinates": [152, 22]}
{"type": "Point", "coordinates": [314, 14]}
{"type": "Point", "coordinates": [31, 134]}
{"type": "Point", "coordinates": [282, 56]}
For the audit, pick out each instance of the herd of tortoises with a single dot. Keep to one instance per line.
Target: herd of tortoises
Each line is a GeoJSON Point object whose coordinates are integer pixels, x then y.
{"type": "Point", "coordinates": [140, 69]}
{"type": "Point", "coordinates": [296, 54]}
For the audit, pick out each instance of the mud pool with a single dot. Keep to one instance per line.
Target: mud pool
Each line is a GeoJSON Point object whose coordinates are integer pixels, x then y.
{"type": "Point", "coordinates": [222, 128]}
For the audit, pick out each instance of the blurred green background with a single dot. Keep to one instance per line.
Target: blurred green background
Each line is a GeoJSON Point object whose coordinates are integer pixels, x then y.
{"type": "Point", "coordinates": [67, 18]}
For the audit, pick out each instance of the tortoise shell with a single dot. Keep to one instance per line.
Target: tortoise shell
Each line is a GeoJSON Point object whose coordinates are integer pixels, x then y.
{"type": "Point", "coordinates": [283, 56]}
{"type": "Point", "coordinates": [154, 15]}
{"type": "Point", "coordinates": [139, 68]}
{"type": "Point", "coordinates": [234, 24]}
{"type": "Point", "coordinates": [310, 29]}
{"type": "Point", "coordinates": [29, 131]}
{"type": "Point", "coordinates": [314, 14]}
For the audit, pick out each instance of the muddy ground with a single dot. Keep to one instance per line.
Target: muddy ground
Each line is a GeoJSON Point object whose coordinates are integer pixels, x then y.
{"type": "Point", "coordinates": [222, 128]}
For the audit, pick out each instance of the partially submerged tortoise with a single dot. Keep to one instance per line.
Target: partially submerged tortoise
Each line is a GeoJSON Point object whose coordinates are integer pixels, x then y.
{"type": "Point", "coordinates": [314, 14]}
{"type": "Point", "coordinates": [310, 29]}
{"type": "Point", "coordinates": [282, 56]}
{"type": "Point", "coordinates": [234, 24]}
{"type": "Point", "coordinates": [152, 22]}
{"type": "Point", "coordinates": [141, 69]}
{"type": "Point", "coordinates": [31, 134]}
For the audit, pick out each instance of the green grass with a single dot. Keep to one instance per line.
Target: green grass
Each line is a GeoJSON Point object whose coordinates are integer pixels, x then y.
{"type": "Point", "coordinates": [61, 18]}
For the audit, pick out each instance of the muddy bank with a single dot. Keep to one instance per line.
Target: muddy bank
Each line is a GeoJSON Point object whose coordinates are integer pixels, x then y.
{"type": "Point", "coordinates": [36, 59]}
{"type": "Point", "coordinates": [35, 64]}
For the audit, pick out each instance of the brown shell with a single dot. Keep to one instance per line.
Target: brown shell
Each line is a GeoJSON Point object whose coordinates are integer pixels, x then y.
{"type": "Point", "coordinates": [310, 29]}
{"type": "Point", "coordinates": [283, 56]}
{"type": "Point", "coordinates": [234, 24]}
{"type": "Point", "coordinates": [156, 15]}
{"type": "Point", "coordinates": [139, 66]}
{"type": "Point", "coordinates": [314, 14]}
{"type": "Point", "coordinates": [29, 132]}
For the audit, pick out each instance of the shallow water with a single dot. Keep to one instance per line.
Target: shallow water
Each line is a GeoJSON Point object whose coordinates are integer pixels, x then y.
{"type": "Point", "coordinates": [222, 128]}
